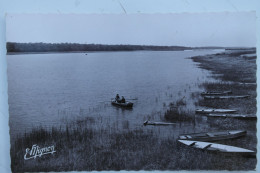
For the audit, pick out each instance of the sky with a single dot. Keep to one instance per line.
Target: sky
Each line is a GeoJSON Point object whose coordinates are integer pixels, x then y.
{"type": "Point", "coordinates": [230, 29]}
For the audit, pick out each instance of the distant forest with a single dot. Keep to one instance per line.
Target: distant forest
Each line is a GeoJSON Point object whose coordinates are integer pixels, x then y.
{"type": "Point", "coordinates": [69, 47]}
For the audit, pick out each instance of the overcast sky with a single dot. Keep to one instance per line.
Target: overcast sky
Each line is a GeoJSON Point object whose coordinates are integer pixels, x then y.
{"type": "Point", "coordinates": [185, 29]}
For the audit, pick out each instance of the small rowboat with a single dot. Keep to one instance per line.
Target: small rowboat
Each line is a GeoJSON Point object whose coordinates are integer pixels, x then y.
{"type": "Point", "coordinates": [207, 111]}
{"type": "Point", "coordinates": [216, 93]}
{"type": "Point", "coordinates": [157, 123]}
{"type": "Point", "coordinates": [226, 97]}
{"type": "Point", "coordinates": [213, 136]}
{"type": "Point", "coordinates": [216, 147]}
{"type": "Point", "coordinates": [123, 105]}
{"type": "Point", "coordinates": [253, 117]}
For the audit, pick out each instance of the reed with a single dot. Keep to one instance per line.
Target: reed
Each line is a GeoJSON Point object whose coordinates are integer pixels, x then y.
{"type": "Point", "coordinates": [86, 149]}
{"type": "Point", "coordinates": [178, 114]}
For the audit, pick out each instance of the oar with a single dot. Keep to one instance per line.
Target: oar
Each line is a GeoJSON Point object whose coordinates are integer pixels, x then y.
{"type": "Point", "coordinates": [103, 101]}
{"type": "Point", "coordinates": [132, 99]}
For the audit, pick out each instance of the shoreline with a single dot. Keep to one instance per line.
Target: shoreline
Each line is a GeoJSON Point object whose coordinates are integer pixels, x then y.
{"type": "Point", "coordinates": [236, 73]}
{"type": "Point", "coordinates": [231, 65]}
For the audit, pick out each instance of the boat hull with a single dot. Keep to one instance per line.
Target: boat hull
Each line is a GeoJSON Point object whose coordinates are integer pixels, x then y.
{"type": "Point", "coordinates": [216, 147]}
{"type": "Point", "coordinates": [216, 93]}
{"type": "Point", "coordinates": [226, 97]}
{"type": "Point", "coordinates": [208, 111]}
{"type": "Point", "coordinates": [157, 123]}
{"type": "Point", "coordinates": [123, 105]}
{"type": "Point", "coordinates": [244, 117]}
{"type": "Point", "coordinates": [213, 136]}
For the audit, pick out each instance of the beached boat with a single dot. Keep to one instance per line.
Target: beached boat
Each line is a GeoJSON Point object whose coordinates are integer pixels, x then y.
{"type": "Point", "coordinates": [216, 147]}
{"type": "Point", "coordinates": [226, 97]}
{"type": "Point", "coordinates": [238, 116]}
{"type": "Point", "coordinates": [123, 105]}
{"type": "Point", "coordinates": [241, 83]}
{"type": "Point", "coordinates": [209, 93]}
{"type": "Point", "coordinates": [213, 136]}
{"type": "Point", "coordinates": [157, 123]}
{"type": "Point", "coordinates": [208, 111]}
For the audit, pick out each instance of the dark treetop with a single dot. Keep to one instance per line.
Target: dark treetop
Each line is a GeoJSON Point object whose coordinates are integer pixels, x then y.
{"type": "Point", "coordinates": [67, 47]}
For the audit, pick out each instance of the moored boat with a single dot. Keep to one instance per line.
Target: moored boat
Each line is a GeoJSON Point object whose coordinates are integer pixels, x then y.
{"type": "Point", "coordinates": [216, 147]}
{"type": "Point", "coordinates": [157, 123]}
{"type": "Point", "coordinates": [226, 97]}
{"type": "Point", "coordinates": [207, 111]}
{"type": "Point", "coordinates": [213, 136]}
{"type": "Point", "coordinates": [215, 93]}
{"type": "Point", "coordinates": [238, 116]}
{"type": "Point", "coordinates": [123, 105]}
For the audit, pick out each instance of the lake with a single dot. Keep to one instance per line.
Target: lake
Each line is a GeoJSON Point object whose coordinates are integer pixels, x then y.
{"type": "Point", "coordinates": [58, 88]}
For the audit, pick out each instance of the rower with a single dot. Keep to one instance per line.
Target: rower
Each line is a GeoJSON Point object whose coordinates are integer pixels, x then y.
{"type": "Point", "coordinates": [117, 98]}
{"type": "Point", "coordinates": [123, 99]}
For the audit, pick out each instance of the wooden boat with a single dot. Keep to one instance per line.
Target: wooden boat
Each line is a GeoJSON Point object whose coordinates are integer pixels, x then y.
{"type": "Point", "coordinates": [157, 123]}
{"type": "Point", "coordinates": [207, 111]}
{"type": "Point", "coordinates": [216, 93]}
{"type": "Point", "coordinates": [123, 105]}
{"type": "Point", "coordinates": [226, 97]}
{"type": "Point", "coordinates": [216, 147]}
{"type": "Point", "coordinates": [238, 116]}
{"type": "Point", "coordinates": [241, 83]}
{"type": "Point", "coordinates": [213, 136]}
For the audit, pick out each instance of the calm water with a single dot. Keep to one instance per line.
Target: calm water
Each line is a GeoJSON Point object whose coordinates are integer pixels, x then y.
{"type": "Point", "coordinates": [53, 89]}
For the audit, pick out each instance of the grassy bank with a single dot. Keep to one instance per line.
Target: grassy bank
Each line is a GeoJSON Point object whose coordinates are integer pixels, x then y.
{"type": "Point", "coordinates": [238, 74]}
{"type": "Point", "coordinates": [244, 106]}
{"type": "Point", "coordinates": [231, 65]}
{"type": "Point", "coordinates": [87, 149]}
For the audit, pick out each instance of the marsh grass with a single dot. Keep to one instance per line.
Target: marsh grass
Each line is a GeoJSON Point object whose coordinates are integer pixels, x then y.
{"type": "Point", "coordinates": [244, 106]}
{"type": "Point", "coordinates": [86, 149]}
{"type": "Point", "coordinates": [231, 65]}
{"type": "Point", "coordinates": [177, 111]}
{"type": "Point", "coordinates": [175, 114]}
{"type": "Point", "coordinates": [236, 88]}
{"type": "Point", "coordinates": [181, 102]}
{"type": "Point", "coordinates": [232, 124]}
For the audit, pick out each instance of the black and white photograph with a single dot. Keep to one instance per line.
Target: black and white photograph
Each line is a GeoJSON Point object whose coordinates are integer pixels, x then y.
{"type": "Point", "coordinates": [110, 92]}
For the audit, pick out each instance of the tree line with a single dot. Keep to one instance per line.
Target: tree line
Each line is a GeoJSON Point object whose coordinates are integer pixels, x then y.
{"type": "Point", "coordinates": [68, 47]}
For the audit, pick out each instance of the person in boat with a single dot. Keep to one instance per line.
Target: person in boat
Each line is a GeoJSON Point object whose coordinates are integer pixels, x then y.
{"type": "Point", "coordinates": [117, 98]}
{"type": "Point", "coordinates": [123, 99]}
